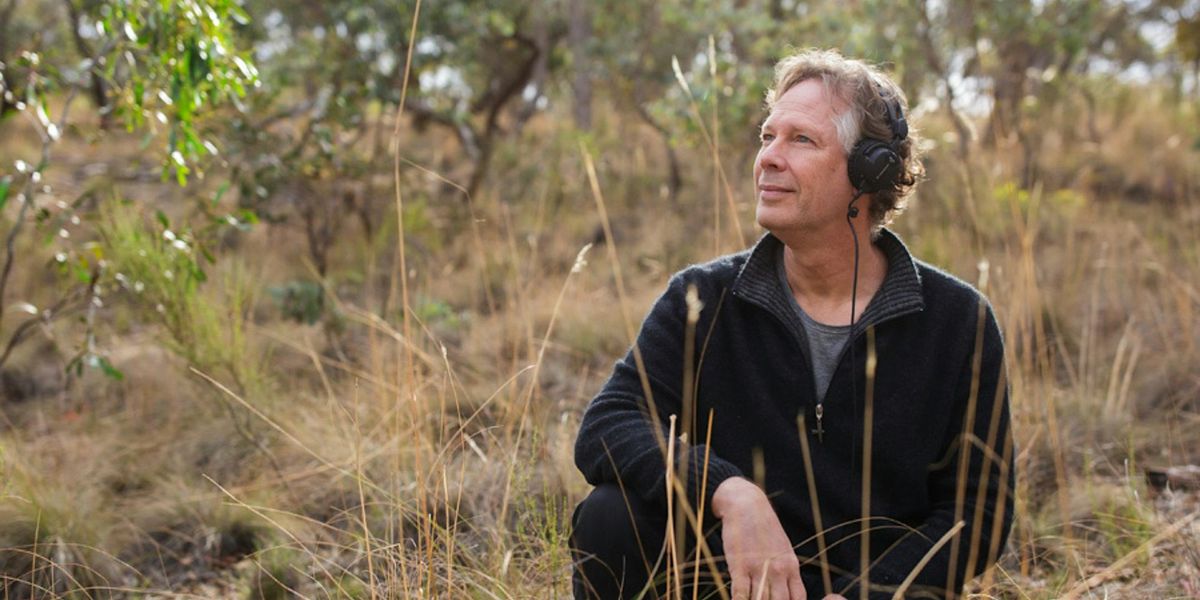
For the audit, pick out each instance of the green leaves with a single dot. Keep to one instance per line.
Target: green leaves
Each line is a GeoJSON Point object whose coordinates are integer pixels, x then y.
{"type": "Point", "coordinates": [94, 361]}
{"type": "Point", "coordinates": [107, 368]}
{"type": "Point", "coordinates": [182, 67]}
{"type": "Point", "coordinates": [5, 184]}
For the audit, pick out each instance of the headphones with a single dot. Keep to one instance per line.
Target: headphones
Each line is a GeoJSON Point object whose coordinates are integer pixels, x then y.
{"type": "Point", "coordinates": [875, 164]}
{"type": "Point", "coordinates": [872, 165]}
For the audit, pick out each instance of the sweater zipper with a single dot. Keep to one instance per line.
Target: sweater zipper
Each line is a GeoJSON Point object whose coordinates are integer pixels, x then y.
{"type": "Point", "coordinates": [854, 335]}
{"type": "Point", "coordinates": [820, 407]}
{"type": "Point", "coordinates": [818, 403]}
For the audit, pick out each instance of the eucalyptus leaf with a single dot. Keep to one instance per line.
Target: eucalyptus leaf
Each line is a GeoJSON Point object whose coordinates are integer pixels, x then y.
{"type": "Point", "coordinates": [109, 370]}
{"type": "Point", "coordinates": [5, 184]}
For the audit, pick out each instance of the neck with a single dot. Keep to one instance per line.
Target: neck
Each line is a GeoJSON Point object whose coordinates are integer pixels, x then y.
{"type": "Point", "coordinates": [820, 270]}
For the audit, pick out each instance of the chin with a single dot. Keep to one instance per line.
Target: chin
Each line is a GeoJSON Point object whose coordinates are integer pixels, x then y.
{"type": "Point", "coordinates": [772, 217]}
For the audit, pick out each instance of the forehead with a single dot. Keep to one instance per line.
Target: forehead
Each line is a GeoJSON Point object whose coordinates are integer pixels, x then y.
{"type": "Point", "coordinates": [808, 103]}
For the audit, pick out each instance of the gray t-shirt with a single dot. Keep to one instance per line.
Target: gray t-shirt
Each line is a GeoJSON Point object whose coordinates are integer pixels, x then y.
{"type": "Point", "coordinates": [825, 342]}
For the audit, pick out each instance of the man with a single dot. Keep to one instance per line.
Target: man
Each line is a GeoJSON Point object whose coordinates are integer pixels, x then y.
{"type": "Point", "coordinates": [839, 409]}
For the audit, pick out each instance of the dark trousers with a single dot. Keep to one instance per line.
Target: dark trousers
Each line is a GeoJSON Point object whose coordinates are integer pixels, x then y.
{"type": "Point", "coordinates": [617, 547]}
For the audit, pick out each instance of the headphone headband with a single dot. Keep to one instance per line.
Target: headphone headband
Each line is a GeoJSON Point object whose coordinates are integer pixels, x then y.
{"type": "Point", "coordinates": [895, 118]}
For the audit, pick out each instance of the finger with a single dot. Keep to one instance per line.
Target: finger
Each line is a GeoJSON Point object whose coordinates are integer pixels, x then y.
{"type": "Point", "coordinates": [779, 589]}
{"type": "Point", "coordinates": [740, 587]}
{"type": "Point", "coordinates": [796, 588]}
{"type": "Point", "coordinates": [761, 587]}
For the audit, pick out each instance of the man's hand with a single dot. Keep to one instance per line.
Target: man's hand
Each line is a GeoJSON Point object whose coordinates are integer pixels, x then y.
{"type": "Point", "coordinates": [762, 563]}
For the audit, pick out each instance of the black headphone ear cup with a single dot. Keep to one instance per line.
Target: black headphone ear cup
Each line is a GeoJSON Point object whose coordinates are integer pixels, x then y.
{"type": "Point", "coordinates": [856, 164]}
{"type": "Point", "coordinates": [872, 165]}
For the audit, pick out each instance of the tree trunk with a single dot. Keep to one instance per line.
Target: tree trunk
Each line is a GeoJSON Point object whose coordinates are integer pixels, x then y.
{"type": "Point", "coordinates": [99, 89]}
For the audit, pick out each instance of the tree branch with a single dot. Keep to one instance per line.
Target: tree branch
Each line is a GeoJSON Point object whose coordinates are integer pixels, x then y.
{"type": "Point", "coordinates": [492, 103]}
{"type": "Point", "coordinates": [60, 308]}
{"type": "Point", "coordinates": [934, 60]}
{"type": "Point", "coordinates": [422, 114]}
{"type": "Point", "coordinates": [27, 199]}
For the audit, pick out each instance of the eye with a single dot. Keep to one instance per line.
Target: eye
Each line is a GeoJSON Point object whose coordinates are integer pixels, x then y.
{"type": "Point", "coordinates": [765, 138]}
{"type": "Point", "coordinates": [803, 139]}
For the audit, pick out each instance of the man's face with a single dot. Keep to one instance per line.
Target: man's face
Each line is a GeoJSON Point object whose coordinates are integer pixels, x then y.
{"type": "Point", "coordinates": [800, 170]}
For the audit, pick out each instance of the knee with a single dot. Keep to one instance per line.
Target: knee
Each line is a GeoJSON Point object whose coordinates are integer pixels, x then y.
{"type": "Point", "coordinates": [610, 517]}
{"type": "Point", "coordinates": [616, 539]}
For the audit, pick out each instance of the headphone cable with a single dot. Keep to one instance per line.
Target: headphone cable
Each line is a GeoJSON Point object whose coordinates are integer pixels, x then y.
{"type": "Point", "coordinates": [851, 213]}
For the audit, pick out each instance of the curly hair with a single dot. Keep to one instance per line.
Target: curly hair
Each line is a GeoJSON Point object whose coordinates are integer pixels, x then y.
{"type": "Point", "coordinates": [865, 89]}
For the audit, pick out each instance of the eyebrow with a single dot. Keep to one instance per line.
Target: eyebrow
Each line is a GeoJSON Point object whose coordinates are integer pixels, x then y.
{"type": "Point", "coordinates": [810, 132]}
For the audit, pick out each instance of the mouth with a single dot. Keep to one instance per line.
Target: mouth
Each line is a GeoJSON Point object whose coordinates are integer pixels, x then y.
{"type": "Point", "coordinates": [767, 190]}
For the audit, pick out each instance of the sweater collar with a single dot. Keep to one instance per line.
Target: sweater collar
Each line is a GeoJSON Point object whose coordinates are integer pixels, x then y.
{"type": "Point", "coordinates": [899, 294]}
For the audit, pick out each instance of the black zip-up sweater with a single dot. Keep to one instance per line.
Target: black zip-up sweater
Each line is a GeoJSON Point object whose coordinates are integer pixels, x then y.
{"type": "Point", "coordinates": [938, 348]}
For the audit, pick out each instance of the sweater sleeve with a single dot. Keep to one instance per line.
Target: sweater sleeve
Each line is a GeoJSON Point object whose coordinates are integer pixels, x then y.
{"type": "Point", "coordinates": [618, 441]}
{"type": "Point", "coordinates": [984, 504]}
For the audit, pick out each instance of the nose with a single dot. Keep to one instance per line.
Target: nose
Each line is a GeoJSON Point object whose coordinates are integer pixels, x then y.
{"type": "Point", "coordinates": [769, 157]}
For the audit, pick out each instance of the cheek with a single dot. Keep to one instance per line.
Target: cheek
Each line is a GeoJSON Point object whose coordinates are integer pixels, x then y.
{"type": "Point", "coordinates": [836, 172]}
{"type": "Point", "coordinates": [835, 165]}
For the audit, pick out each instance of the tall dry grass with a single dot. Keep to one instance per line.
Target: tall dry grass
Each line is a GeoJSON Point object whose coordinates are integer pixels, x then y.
{"type": "Point", "coordinates": [428, 453]}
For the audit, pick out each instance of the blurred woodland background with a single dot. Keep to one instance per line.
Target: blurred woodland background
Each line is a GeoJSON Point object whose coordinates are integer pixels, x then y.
{"type": "Point", "coordinates": [293, 303]}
